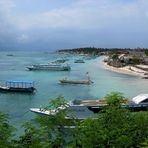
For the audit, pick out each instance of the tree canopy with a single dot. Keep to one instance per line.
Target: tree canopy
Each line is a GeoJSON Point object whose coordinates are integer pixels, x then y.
{"type": "Point", "coordinates": [114, 127]}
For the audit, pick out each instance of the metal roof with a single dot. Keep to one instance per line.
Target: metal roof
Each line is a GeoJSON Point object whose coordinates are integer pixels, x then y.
{"type": "Point", "coordinates": [19, 81]}
{"type": "Point", "coordinates": [138, 99]}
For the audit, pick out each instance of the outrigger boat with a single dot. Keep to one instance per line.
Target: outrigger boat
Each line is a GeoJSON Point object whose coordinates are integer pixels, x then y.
{"type": "Point", "coordinates": [88, 81]}
{"type": "Point", "coordinates": [18, 86]}
{"type": "Point", "coordinates": [66, 81]}
{"type": "Point", "coordinates": [51, 67]}
{"type": "Point", "coordinates": [89, 108]}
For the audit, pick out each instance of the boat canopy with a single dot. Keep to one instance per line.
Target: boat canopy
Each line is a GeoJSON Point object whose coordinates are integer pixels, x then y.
{"type": "Point", "coordinates": [140, 98]}
{"type": "Point", "coordinates": [20, 81]}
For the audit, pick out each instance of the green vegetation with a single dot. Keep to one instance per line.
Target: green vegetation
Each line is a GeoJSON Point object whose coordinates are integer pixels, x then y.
{"type": "Point", "coordinates": [98, 51]}
{"type": "Point", "coordinates": [146, 52]}
{"type": "Point", "coordinates": [5, 131]}
{"type": "Point", "coordinates": [92, 50]}
{"type": "Point", "coordinates": [136, 59]}
{"type": "Point", "coordinates": [114, 127]}
{"type": "Point", "coordinates": [115, 56]}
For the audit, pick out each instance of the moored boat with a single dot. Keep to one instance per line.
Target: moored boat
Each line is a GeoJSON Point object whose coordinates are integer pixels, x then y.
{"type": "Point", "coordinates": [66, 81]}
{"type": "Point", "coordinates": [59, 61]}
{"type": "Point", "coordinates": [52, 67]}
{"type": "Point", "coordinates": [18, 86]}
{"type": "Point", "coordinates": [88, 81]}
{"type": "Point", "coordinates": [89, 108]}
{"type": "Point", "coordinates": [79, 61]}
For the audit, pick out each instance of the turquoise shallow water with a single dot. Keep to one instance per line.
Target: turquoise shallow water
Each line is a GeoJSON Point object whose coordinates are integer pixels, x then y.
{"type": "Point", "coordinates": [47, 83]}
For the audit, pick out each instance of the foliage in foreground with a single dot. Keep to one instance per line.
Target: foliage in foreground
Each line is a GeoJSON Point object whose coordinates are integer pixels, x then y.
{"type": "Point", "coordinates": [5, 131]}
{"type": "Point", "coordinates": [114, 127]}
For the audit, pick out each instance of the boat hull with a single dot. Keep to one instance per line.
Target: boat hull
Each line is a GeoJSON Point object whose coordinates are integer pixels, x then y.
{"type": "Point", "coordinates": [84, 112]}
{"type": "Point", "coordinates": [49, 68]}
{"type": "Point", "coordinates": [76, 112]}
{"type": "Point", "coordinates": [79, 61]}
{"type": "Point", "coordinates": [12, 89]}
{"type": "Point", "coordinates": [83, 109]}
{"type": "Point", "coordinates": [76, 82]}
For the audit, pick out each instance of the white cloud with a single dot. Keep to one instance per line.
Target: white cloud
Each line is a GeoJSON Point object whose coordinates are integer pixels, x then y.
{"type": "Point", "coordinates": [94, 18]}
{"type": "Point", "coordinates": [87, 14]}
{"type": "Point", "coordinates": [23, 38]}
{"type": "Point", "coordinates": [6, 5]}
{"type": "Point", "coordinates": [6, 19]}
{"type": "Point", "coordinates": [83, 14]}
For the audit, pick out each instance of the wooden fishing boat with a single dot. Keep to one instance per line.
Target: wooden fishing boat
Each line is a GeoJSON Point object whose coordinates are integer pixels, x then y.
{"type": "Point", "coordinates": [88, 81]}
{"type": "Point", "coordinates": [66, 81]}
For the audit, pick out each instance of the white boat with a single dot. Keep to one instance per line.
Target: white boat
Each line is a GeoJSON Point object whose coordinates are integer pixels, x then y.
{"type": "Point", "coordinates": [52, 67]}
{"type": "Point", "coordinates": [90, 108]}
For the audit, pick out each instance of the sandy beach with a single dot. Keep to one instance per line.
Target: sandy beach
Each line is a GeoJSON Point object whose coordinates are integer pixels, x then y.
{"type": "Point", "coordinates": [130, 70]}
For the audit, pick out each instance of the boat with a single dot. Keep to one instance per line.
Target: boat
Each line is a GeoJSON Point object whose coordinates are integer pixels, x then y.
{"type": "Point", "coordinates": [66, 81]}
{"type": "Point", "coordinates": [88, 81]}
{"type": "Point", "coordinates": [145, 76]}
{"type": "Point", "coordinates": [18, 86]}
{"type": "Point", "coordinates": [79, 61]}
{"type": "Point", "coordinates": [59, 61]}
{"type": "Point", "coordinates": [10, 55]}
{"type": "Point", "coordinates": [89, 108]}
{"type": "Point", "coordinates": [52, 67]}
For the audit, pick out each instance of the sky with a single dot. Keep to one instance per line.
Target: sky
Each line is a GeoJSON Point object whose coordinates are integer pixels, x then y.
{"type": "Point", "coordinates": [64, 24]}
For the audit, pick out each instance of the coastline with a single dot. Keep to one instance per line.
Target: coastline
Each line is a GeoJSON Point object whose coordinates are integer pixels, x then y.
{"type": "Point", "coordinates": [129, 70]}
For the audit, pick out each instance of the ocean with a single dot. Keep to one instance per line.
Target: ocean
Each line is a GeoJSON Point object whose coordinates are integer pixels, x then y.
{"type": "Point", "coordinates": [47, 82]}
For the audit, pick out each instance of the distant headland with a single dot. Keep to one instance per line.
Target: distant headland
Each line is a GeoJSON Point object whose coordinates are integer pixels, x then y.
{"type": "Point", "coordinates": [100, 51]}
{"type": "Point", "coordinates": [124, 60]}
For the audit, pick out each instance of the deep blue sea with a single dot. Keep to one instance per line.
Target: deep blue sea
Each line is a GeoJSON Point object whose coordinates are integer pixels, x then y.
{"type": "Point", "coordinates": [47, 82]}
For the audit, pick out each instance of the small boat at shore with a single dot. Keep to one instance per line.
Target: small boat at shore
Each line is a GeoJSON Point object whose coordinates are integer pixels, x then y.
{"type": "Point", "coordinates": [18, 86]}
{"type": "Point", "coordinates": [145, 77]}
{"type": "Point", "coordinates": [89, 108]}
{"type": "Point", "coordinates": [51, 67]}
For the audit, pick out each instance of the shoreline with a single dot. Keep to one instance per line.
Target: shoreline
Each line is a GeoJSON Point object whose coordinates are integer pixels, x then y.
{"type": "Point", "coordinates": [129, 70]}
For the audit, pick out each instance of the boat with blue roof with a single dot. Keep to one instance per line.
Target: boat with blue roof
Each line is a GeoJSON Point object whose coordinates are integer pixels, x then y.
{"type": "Point", "coordinates": [18, 86]}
